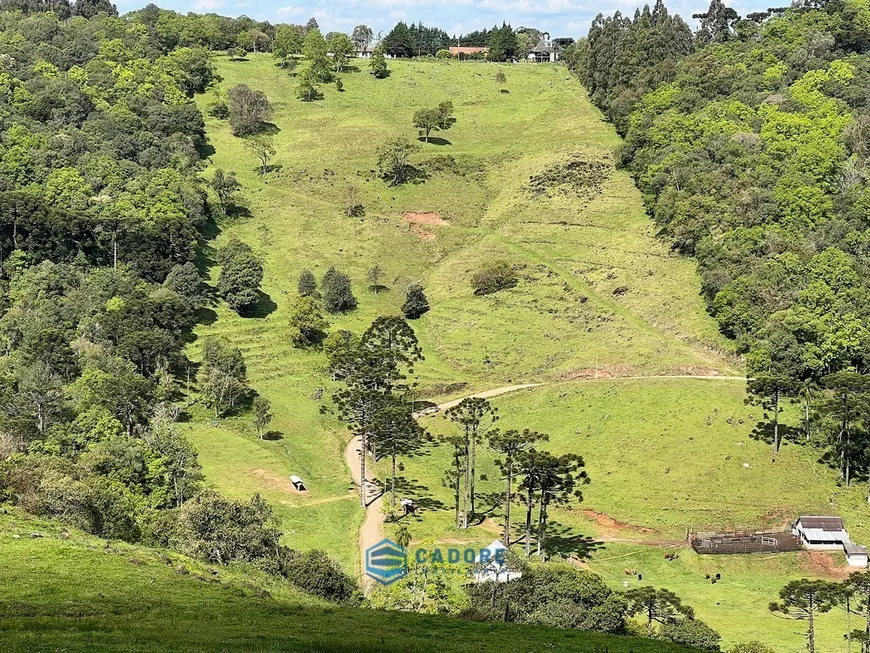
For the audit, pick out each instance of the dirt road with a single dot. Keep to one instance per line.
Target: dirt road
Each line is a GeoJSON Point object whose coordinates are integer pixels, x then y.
{"type": "Point", "coordinates": [372, 530]}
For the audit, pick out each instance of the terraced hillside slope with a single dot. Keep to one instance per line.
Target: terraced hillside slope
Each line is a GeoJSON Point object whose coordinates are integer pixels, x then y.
{"type": "Point", "coordinates": [635, 377]}
{"type": "Point", "coordinates": [525, 175]}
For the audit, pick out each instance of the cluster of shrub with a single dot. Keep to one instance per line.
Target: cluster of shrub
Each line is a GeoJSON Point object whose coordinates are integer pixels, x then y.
{"type": "Point", "coordinates": [553, 594]}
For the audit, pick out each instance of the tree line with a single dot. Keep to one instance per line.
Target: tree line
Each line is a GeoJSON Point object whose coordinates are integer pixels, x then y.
{"type": "Point", "coordinates": [103, 214]}
{"type": "Point", "coordinates": [748, 139]}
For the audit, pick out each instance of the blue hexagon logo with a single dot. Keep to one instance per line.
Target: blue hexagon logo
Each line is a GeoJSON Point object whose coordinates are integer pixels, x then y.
{"type": "Point", "coordinates": [386, 562]}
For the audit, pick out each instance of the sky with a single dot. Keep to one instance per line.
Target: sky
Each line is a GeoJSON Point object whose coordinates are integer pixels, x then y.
{"type": "Point", "coordinates": [562, 18]}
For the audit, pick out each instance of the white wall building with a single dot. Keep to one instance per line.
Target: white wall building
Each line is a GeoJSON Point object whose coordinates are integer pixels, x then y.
{"type": "Point", "coordinates": [829, 534]}
{"type": "Point", "coordinates": [490, 566]}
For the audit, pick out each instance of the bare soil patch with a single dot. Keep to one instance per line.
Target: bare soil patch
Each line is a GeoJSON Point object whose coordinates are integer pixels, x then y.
{"type": "Point", "coordinates": [423, 218]}
{"type": "Point", "coordinates": [824, 564]}
{"type": "Point", "coordinates": [276, 482]}
{"type": "Point", "coordinates": [611, 523]}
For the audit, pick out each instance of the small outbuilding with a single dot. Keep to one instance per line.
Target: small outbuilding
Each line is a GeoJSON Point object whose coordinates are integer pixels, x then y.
{"type": "Point", "coordinates": [492, 564]}
{"type": "Point", "coordinates": [298, 484]}
{"type": "Point", "coordinates": [856, 555]}
{"type": "Point", "coordinates": [545, 51]}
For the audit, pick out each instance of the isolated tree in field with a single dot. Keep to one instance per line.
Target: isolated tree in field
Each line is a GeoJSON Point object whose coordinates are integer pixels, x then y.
{"type": "Point", "coordinates": [307, 284]}
{"type": "Point", "coordinates": [394, 339]}
{"type": "Point", "coordinates": [374, 276]}
{"type": "Point", "coordinates": [509, 445]}
{"type": "Point", "coordinates": [805, 600]}
{"type": "Point", "coordinates": [249, 110]}
{"type": "Point", "coordinates": [222, 375]}
{"type": "Point", "coordinates": [353, 206]}
{"type": "Point", "coordinates": [454, 476]}
{"type": "Point", "coordinates": [240, 276]}
{"type": "Point", "coordinates": [262, 409]}
{"type": "Point", "coordinates": [263, 147]}
{"type": "Point", "coordinates": [307, 324]}
{"type": "Point", "coordinates": [774, 369]}
{"type": "Point", "coordinates": [657, 606]}
{"type": "Point", "coordinates": [403, 537]}
{"type": "Point", "coordinates": [436, 118]}
{"type": "Point", "coordinates": [337, 293]}
{"type": "Point", "coordinates": [558, 481]}
{"type": "Point", "coordinates": [396, 433]}
{"type": "Point", "coordinates": [692, 633]}
{"type": "Point", "coordinates": [393, 159]}
{"type": "Point", "coordinates": [500, 78]}
{"type": "Point", "coordinates": [378, 64]}
{"type": "Point", "coordinates": [475, 416]}
{"type": "Point", "coordinates": [847, 405]}
{"type": "Point", "coordinates": [225, 185]}
{"type": "Point", "coordinates": [339, 85]}
{"type": "Point", "coordinates": [342, 50]}
{"type": "Point", "coordinates": [416, 303]}
{"type": "Point", "coordinates": [494, 276]}
{"type": "Point", "coordinates": [362, 37]}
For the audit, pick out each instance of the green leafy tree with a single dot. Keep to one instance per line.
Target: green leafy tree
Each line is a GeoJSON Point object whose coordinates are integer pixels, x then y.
{"type": "Point", "coordinates": [222, 376]}
{"type": "Point", "coordinates": [858, 588]}
{"type": "Point", "coordinates": [774, 369]}
{"type": "Point", "coordinates": [846, 405]}
{"type": "Point", "coordinates": [307, 284]}
{"type": "Point", "coordinates": [225, 185]}
{"type": "Point", "coordinates": [263, 147]}
{"type": "Point", "coordinates": [262, 410]}
{"type": "Point", "coordinates": [396, 433]}
{"type": "Point", "coordinates": [692, 633]}
{"type": "Point", "coordinates": [342, 50]}
{"type": "Point", "coordinates": [399, 42]}
{"type": "Point", "coordinates": [240, 276]}
{"type": "Point", "coordinates": [287, 42]}
{"type": "Point", "coordinates": [308, 89]}
{"type": "Point", "coordinates": [362, 37]}
{"type": "Point", "coordinates": [307, 324]}
{"type": "Point", "coordinates": [394, 160]}
{"type": "Point", "coordinates": [378, 64]}
{"type": "Point", "coordinates": [416, 304]}
{"type": "Point", "coordinates": [657, 606]}
{"type": "Point", "coordinates": [436, 118]}
{"type": "Point", "coordinates": [374, 276]}
{"type": "Point", "coordinates": [337, 292]}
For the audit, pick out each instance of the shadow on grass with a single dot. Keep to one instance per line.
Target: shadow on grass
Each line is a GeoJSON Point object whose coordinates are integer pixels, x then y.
{"type": "Point", "coordinates": [273, 436]}
{"type": "Point", "coordinates": [263, 308]}
{"type": "Point", "coordinates": [435, 140]}
{"type": "Point", "coordinates": [763, 432]}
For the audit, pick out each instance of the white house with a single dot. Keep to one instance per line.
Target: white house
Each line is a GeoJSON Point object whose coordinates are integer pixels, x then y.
{"type": "Point", "coordinates": [829, 534]}
{"type": "Point", "coordinates": [821, 533]}
{"type": "Point", "coordinates": [491, 564]}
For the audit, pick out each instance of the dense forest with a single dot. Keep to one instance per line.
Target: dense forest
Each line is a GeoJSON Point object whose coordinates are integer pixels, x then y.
{"type": "Point", "coordinates": [103, 213]}
{"type": "Point", "coordinates": [749, 140]}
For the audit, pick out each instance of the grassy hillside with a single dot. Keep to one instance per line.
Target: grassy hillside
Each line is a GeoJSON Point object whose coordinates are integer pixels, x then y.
{"type": "Point", "coordinates": [78, 593]}
{"type": "Point", "coordinates": [575, 249]}
{"type": "Point", "coordinates": [599, 297]}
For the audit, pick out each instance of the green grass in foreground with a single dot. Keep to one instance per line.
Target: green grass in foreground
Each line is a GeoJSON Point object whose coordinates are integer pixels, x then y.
{"type": "Point", "coordinates": [84, 594]}
{"type": "Point", "coordinates": [664, 456]}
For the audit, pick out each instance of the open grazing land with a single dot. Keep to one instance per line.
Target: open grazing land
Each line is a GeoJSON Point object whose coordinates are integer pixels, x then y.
{"type": "Point", "coordinates": [316, 341]}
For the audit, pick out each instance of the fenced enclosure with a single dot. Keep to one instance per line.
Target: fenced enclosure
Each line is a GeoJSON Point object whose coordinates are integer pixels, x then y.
{"type": "Point", "coordinates": [739, 542]}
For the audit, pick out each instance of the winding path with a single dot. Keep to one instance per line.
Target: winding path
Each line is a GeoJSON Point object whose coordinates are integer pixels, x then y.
{"type": "Point", "coordinates": [372, 530]}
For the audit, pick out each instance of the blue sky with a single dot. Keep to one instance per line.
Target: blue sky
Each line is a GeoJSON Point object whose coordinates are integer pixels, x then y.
{"type": "Point", "coordinates": [559, 17]}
